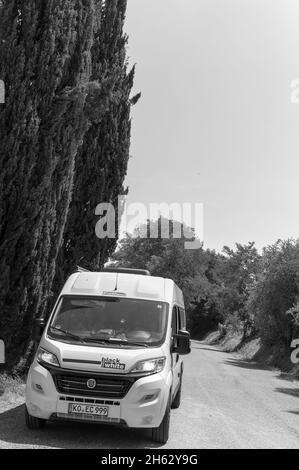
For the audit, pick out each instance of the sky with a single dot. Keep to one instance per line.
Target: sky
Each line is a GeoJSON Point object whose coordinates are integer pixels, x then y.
{"type": "Point", "coordinates": [215, 123]}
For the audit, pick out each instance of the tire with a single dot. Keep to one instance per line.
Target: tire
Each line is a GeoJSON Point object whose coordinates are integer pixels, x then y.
{"type": "Point", "coordinates": [161, 434]}
{"type": "Point", "coordinates": [32, 422]}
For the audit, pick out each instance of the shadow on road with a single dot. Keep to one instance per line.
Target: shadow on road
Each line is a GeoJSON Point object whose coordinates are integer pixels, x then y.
{"type": "Point", "coordinates": [68, 435]}
{"type": "Point", "coordinates": [287, 377]}
{"type": "Point", "coordinates": [246, 364]}
{"type": "Point", "coordinates": [294, 392]}
{"type": "Point", "coordinates": [196, 344]}
{"type": "Point", "coordinates": [207, 349]}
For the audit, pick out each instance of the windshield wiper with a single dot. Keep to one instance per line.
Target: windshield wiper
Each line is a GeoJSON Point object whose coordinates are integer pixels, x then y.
{"type": "Point", "coordinates": [97, 340]}
{"type": "Point", "coordinates": [129, 343]}
{"type": "Point", "coordinates": [116, 341]}
{"type": "Point", "coordinates": [137, 343]}
{"type": "Point", "coordinates": [68, 333]}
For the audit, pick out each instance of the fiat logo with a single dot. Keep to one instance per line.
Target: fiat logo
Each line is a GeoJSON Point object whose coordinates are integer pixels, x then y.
{"type": "Point", "coordinates": [91, 383]}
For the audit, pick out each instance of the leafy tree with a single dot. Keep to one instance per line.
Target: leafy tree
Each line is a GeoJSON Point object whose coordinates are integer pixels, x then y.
{"type": "Point", "coordinates": [293, 317]}
{"type": "Point", "coordinates": [207, 306]}
{"type": "Point", "coordinates": [239, 271]}
{"type": "Point", "coordinates": [239, 288]}
{"type": "Point", "coordinates": [276, 292]}
{"type": "Point", "coordinates": [167, 257]}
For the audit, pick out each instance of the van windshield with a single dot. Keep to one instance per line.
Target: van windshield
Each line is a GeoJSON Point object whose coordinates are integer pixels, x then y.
{"type": "Point", "coordinates": [106, 320]}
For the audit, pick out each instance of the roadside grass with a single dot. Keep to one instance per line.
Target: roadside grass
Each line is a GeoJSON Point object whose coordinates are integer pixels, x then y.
{"type": "Point", "coordinates": [12, 389]}
{"type": "Point", "coordinates": [228, 342]}
{"type": "Point", "coordinates": [212, 338]}
{"type": "Point", "coordinates": [251, 349]}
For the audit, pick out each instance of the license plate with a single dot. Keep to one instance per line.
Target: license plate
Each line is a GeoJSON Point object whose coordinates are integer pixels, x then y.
{"type": "Point", "coordinates": [85, 409]}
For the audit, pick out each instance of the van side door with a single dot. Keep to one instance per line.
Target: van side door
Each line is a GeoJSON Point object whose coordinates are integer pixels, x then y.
{"type": "Point", "coordinates": [176, 361]}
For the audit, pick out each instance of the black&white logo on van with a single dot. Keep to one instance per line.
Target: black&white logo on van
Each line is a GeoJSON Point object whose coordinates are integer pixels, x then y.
{"type": "Point", "coordinates": [108, 363]}
{"type": "Point", "coordinates": [91, 383]}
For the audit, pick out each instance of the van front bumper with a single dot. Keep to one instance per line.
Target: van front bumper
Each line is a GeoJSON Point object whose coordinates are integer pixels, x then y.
{"type": "Point", "coordinates": [143, 406]}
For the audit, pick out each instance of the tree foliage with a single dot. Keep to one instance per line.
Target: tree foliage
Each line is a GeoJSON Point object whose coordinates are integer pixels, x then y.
{"type": "Point", "coordinates": [273, 299]}
{"type": "Point", "coordinates": [192, 270]}
{"type": "Point", "coordinates": [239, 288]}
{"type": "Point", "coordinates": [67, 109]}
{"type": "Point", "coordinates": [101, 163]}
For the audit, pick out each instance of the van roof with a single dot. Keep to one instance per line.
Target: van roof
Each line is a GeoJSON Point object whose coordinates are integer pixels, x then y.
{"type": "Point", "coordinates": [110, 269]}
{"type": "Point", "coordinates": [123, 285]}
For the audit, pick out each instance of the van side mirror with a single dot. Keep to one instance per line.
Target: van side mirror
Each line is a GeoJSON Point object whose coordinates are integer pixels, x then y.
{"type": "Point", "coordinates": [182, 343]}
{"type": "Point", "coordinates": [39, 325]}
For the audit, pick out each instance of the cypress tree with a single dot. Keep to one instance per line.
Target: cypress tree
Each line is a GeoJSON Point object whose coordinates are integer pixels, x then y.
{"type": "Point", "coordinates": [46, 64]}
{"type": "Point", "coordinates": [101, 163]}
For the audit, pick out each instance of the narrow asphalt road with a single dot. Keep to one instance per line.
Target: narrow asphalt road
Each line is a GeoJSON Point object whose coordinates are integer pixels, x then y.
{"type": "Point", "coordinates": [227, 403]}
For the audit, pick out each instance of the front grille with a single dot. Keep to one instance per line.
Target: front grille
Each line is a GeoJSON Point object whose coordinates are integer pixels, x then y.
{"type": "Point", "coordinates": [92, 401]}
{"type": "Point", "coordinates": [82, 417]}
{"type": "Point", "coordinates": [106, 386]}
{"type": "Point", "coordinates": [88, 418]}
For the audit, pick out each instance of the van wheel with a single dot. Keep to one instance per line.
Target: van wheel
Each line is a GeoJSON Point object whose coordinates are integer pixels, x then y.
{"type": "Point", "coordinates": [161, 433]}
{"type": "Point", "coordinates": [177, 399]}
{"type": "Point", "coordinates": [32, 422]}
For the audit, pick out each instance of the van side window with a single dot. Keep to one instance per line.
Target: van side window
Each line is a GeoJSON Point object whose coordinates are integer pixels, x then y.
{"type": "Point", "coordinates": [182, 319]}
{"type": "Point", "coordinates": [174, 321]}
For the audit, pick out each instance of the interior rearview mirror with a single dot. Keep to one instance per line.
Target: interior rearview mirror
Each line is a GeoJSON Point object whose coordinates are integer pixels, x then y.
{"type": "Point", "coordinates": [182, 342]}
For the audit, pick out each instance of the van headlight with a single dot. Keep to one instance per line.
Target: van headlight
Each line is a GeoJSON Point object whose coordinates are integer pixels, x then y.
{"type": "Point", "coordinates": [47, 357]}
{"type": "Point", "coordinates": [149, 366]}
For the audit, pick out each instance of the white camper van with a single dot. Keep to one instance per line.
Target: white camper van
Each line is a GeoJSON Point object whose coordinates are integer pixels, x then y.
{"type": "Point", "coordinates": [111, 352]}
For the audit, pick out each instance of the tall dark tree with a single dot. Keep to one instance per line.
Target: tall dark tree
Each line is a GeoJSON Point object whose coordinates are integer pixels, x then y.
{"type": "Point", "coordinates": [53, 97]}
{"type": "Point", "coordinates": [101, 164]}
